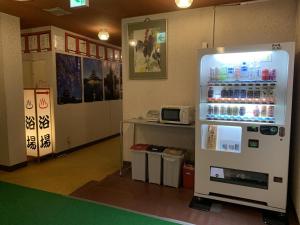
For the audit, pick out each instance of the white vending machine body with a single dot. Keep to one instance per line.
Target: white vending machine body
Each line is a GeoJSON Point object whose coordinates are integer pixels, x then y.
{"type": "Point", "coordinates": [243, 120]}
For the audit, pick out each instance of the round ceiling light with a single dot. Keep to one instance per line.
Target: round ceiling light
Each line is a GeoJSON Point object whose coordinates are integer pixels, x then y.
{"type": "Point", "coordinates": [103, 35]}
{"type": "Point", "coordinates": [183, 3]}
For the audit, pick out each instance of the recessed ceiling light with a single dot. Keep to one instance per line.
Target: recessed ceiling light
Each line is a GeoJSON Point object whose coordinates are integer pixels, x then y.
{"type": "Point", "coordinates": [183, 3]}
{"type": "Point", "coordinates": [22, 0]}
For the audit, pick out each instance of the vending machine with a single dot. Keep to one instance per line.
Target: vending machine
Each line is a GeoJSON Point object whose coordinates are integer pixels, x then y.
{"type": "Point", "coordinates": [243, 124]}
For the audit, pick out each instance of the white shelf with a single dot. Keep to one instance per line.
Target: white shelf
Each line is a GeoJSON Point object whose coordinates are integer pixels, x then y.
{"type": "Point", "coordinates": [145, 122]}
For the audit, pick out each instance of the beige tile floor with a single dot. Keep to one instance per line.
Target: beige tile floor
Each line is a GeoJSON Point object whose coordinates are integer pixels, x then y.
{"type": "Point", "coordinates": [65, 174]}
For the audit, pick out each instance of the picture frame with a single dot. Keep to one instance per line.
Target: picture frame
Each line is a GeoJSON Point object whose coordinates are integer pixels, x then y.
{"type": "Point", "coordinates": [33, 43]}
{"type": "Point", "coordinates": [71, 43]}
{"type": "Point", "coordinates": [92, 49]}
{"type": "Point", "coordinates": [148, 57]}
{"type": "Point", "coordinates": [82, 46]}
{"type": "Point", "coordinates": [101, 52]}
{"type": "Point", "coordinates": [45, 41]}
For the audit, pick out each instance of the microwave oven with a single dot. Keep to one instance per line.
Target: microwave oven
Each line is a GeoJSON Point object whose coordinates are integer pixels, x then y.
{"type": "Point", "coordinates": [177, 114]}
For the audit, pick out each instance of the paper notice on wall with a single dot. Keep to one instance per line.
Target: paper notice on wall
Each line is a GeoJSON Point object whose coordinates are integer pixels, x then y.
{"type": "Point", "coordinates": [30, 123]}
{"type": "Point", "coordinates": [59, 43]}
{"type": "Point", "coordinates": [93, 49]}
{"type": "Point", "coordinates": [82, 46]}
{"type": "Point", "coordinates": [45, 41]}
{"type": "Point", "coordinates": [44, 121]}
{"type": "Point", "coordinates": [71, 44]}
{"type": "Point", "coordinates": [101, 52]}
{"type": "Point", "coordinates": [33, 42]}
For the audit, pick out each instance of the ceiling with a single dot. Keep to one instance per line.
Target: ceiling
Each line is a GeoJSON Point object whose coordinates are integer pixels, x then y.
{"type": "Point", "coordinates": [101, 13]}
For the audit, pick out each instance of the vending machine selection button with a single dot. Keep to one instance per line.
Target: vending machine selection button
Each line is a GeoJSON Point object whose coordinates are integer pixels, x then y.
{"type": "Point", "coordinates": [268, 130]}
{"type": "Point", "coordinates": [253, 143]}
{"type": "Point", "coordinates": [252, 129]}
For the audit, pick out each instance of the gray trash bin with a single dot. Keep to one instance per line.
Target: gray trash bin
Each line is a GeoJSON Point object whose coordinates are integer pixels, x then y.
{"type": "Point", "coordinates": [173, 160]}
{"type": "Point", "coordinates": [139, 162]}
{"type": "Point", "coordinates": [155, 164]}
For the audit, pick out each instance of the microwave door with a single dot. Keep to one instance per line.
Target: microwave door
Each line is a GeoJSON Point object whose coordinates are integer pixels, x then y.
{"type": "Point", "coordinates": [170, 115]}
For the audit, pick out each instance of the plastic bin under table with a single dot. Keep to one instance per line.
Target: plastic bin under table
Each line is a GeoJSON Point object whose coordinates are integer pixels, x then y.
{"type": "Point", "coordinates": [155, 163]}
{"type": "Point", "coordinates": [139, 162]}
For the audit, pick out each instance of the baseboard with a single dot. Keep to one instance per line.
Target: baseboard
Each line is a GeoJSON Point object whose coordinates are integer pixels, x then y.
{"type": "Point", "coordinates": [77, 148]}
{"type": "Point", "coordinates": [13, 167]}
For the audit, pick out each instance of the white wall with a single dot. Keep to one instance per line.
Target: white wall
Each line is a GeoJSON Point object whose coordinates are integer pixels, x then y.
{"type": "Point", "coordinates": [74, 124]}
{"type": "Point", "coordinates": [266, 22]}
{"type": "Point", "coordinates": [12, 134]}
{"type": "Point", "coordinates": [272, 21]}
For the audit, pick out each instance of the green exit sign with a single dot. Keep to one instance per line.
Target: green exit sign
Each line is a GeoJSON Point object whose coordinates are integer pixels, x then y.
{"type": "Point", "coordinates": [79, 3]}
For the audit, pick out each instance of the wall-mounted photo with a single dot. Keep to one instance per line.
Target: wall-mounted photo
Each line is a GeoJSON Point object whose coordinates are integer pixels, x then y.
{"type": "Point", "coordinates": [93, 80]}
{"type": "Point", "coordinates": [68, 74]}
{"type": "Point", "coordinates": [112, 80]}
{"type": "Point", "coordinates": [148, 49]}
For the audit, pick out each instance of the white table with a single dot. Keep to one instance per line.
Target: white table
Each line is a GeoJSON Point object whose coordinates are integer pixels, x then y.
{"type": "Point", "coordinates": [143, 122]}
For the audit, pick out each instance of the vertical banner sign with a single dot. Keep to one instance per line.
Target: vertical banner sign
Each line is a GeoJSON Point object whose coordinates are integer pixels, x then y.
{"type": "Point", "coordinates": [44, 121]}
{"type": "Point", "coordinates": [30, 123]}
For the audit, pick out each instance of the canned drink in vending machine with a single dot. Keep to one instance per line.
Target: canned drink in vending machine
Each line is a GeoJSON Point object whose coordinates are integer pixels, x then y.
{"type": "Point", "coordinates": [237, 73]}
{"type": "Point", "coordinates": [257, 93]}
{"type": "Point", "coordinates": [223, 73]}
{"type": "Point", "coordinates": [256, 111]}
{"type": "Point", "coordinates": [210, 110]}
{"type": "Point", "coordinates": [263, 112]}
{"type": "Point", "coordinates": [224, 93]}
{"type": "Point", "coordinates": [216, 110]}
{"type": "Point", "coordinates": [229, 110]}
{"type": "Point", "coordinates": [230, 93]}
{"type": "Point", "coordinates": [242, 111]}
{"type": "Point", "coordinates": [243, 93]}
{"type": "Point", "coordinates": [223, 110]}
{"type": "Point", "coordinates": [212, 73]}
{"type": "Point", "coordinates": [265, 74]}
{"type": "Point", "coordinates": [236, 93]}
{"type": "Point", "coordinates": [250, 93]}
{"type": "Point", "coordinates": [271, 94]}
{"type": "Point", "coordinates": [272, 74]}
{"type": "Point", "coordinates": [271, 111]}
{"type": "Point", "coordinates": [210, 92]}
{"type": "Point", "coordinates": [235, 111]}
{"type": "Point", "coordinates": [230, 73]}
{"type": "Point", "coordinates": [265, 92]}
{"type": "Point", "coordinates": [217, 73]}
